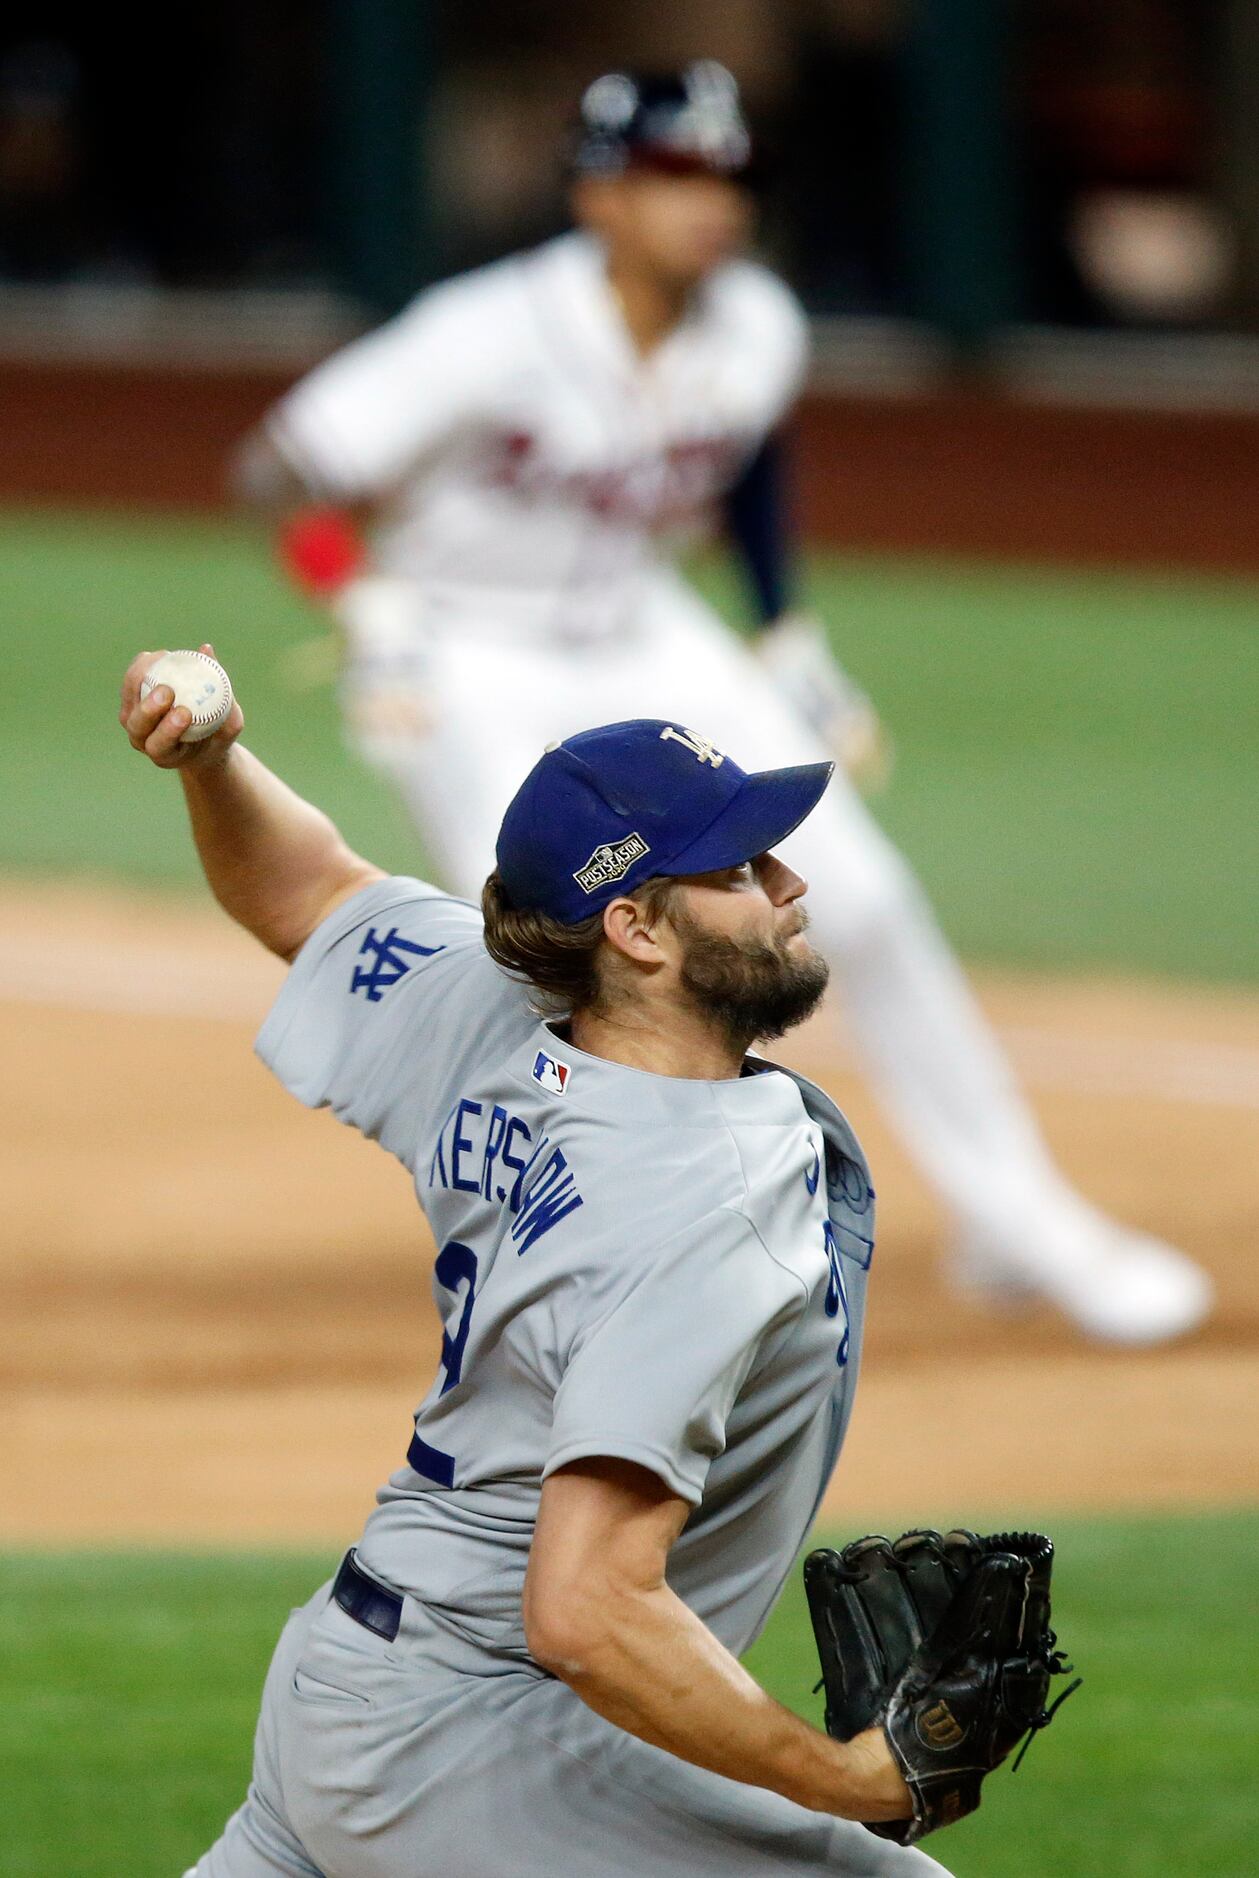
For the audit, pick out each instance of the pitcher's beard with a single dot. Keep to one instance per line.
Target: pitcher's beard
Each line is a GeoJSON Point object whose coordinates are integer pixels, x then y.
{"type": "Point", "coordinates": [757, 990]}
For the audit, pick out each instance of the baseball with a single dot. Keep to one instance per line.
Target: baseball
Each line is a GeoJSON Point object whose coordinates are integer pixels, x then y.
{"type": "Point", "coordinates": [200, 685]}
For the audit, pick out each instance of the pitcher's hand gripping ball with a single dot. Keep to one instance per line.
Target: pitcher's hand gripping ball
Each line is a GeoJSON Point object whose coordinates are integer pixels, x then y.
{"type": "Point", "coordinates": [945, 1641]}
{"type": "Point", "coordinates": [200, 685]}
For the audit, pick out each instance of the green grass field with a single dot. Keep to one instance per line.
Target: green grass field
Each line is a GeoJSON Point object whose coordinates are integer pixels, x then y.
{"type": "Point", "coordinates": [128, 1689]}
{"type": "Point", "coordinates": [1076, 784]}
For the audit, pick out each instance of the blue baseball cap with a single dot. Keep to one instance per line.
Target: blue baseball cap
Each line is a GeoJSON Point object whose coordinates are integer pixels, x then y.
{"type": "Point", "coordinates": [608, 809]}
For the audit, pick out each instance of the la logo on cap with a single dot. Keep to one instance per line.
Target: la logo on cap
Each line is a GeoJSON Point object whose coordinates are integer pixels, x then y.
{"type": "Point", "coordinates": [698, 746]}
{"type": "Point", "coordinates": [551, 1073]}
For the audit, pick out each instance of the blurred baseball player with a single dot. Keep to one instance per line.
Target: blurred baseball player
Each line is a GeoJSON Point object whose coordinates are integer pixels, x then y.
{"type": "Point", "coordinates": [652, 1270]}
{"type": "Point", "coordinates": [527, 439]}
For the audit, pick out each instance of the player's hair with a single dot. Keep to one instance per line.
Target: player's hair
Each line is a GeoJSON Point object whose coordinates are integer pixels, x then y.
{"type": "Point", "coordinates": [560, 962]}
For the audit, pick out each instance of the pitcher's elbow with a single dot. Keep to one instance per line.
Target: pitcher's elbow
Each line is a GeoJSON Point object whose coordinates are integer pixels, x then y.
{"type": "Point", "coordinates": [562, 1634]}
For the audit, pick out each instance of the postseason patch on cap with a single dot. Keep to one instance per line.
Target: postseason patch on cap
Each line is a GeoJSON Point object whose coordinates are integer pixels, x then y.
{"type": "Point", "coordinates": [610, 862]}
{"type": "Point", "coordinates": [551, 1074]}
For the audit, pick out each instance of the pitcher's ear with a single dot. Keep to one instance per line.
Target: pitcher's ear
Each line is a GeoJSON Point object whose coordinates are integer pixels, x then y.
{"type": "Point", "coordinates": [631, 927]}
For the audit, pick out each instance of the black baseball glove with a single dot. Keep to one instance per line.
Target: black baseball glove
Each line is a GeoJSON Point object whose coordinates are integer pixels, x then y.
{"type": "Point", "coordinates": [945, 1641]}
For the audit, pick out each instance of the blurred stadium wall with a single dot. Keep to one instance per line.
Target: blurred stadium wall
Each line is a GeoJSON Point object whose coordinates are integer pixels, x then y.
{"type": "Point", "coordinates": [1028, 234]}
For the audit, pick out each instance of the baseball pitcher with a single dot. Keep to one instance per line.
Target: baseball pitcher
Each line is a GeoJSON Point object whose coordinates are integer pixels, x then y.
{"type": "Point", "coordinates": [528, 442]}
{"type": "Point", "coordinates": [653, 1256]}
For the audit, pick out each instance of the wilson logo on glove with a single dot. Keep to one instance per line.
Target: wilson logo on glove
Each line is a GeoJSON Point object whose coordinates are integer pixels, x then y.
{"type": "Point", "coordinates": [939, 1727]}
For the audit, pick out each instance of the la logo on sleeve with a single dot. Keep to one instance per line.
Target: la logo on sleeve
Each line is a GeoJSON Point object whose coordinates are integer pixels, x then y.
{"type": "Point", "coordinates": [551, 1073]}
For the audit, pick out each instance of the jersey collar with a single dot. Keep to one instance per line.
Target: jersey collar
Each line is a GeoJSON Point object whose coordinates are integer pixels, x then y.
{"type": "Point", "coordinates": [616, 1092]}
{"type": "Point", "coordinates": [583, 298]}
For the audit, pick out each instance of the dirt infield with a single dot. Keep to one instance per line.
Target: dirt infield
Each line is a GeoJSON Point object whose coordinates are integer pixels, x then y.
{"type": "Point", "coordinates": [217, 1302]}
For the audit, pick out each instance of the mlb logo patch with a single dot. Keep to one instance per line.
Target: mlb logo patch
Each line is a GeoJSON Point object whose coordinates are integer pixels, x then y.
{"type": "Point", "coordinates": [551, 1074]}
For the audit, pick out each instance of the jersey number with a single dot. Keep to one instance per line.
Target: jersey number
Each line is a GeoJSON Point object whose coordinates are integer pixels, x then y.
{"type": "Point", "coordinates": [456, 1265]}
{"type": "Point", "coordinates": [836, 1291]}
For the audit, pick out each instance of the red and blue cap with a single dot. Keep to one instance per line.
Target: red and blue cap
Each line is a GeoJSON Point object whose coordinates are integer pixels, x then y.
{"type": "Point", "coordinates": [683, 123]}
{"type": "Point", "coordinates": [608, 809]}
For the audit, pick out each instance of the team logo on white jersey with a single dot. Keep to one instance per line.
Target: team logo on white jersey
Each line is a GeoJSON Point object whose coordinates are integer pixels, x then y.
{"type": "Point", "coordinates": [698, 746]}
{"type": "Point", "coordinates": [551, 1073]}
{"type": "Point", "coordinates": [610, 862]}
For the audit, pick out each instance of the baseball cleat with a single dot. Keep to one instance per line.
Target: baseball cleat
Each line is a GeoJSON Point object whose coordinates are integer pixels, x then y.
{"type": "Point", "coordinates": [1114, 1283]}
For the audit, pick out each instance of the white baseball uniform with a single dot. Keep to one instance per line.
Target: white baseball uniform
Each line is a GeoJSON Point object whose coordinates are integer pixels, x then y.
{"type": "Point", "coordinates": [529, 467]}
{"type": "Point", "coordinates": [672, 1272]}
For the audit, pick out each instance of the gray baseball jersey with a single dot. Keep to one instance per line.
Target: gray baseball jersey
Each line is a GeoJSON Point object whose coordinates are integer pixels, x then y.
{"type": "Point", "coordinates": [667, 1271]}
{"type": "Point", "coordinates": [628, 1264]}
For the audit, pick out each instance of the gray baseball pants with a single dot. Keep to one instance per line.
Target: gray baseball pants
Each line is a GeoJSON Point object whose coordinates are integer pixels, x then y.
{"type": "Point", "coordinates": [427, 1755]}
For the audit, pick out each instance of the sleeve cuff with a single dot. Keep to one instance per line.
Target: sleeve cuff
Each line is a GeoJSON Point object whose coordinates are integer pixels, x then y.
{"type": "Point", "coordinates": [312, 454]}
{"type": "Point", "coordinates": [657, 1461]}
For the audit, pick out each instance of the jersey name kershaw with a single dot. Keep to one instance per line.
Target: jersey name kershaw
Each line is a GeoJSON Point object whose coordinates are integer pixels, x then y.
{"type": "Point", "coordinates": [482, 1148]}
{"type": "Point", "coordinates": [610, 862]}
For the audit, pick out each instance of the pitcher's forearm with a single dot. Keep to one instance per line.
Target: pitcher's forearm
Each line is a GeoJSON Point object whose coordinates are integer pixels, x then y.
{"type": "Point", "coordinates": [649, 1665]}
{"type": "Point", "coordinates": [274, 862]}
